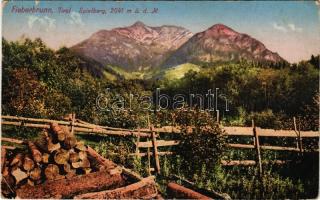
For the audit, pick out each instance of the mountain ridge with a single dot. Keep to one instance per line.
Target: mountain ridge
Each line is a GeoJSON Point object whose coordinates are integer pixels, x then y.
{"type": "Point", "coordinates": [140, 47]}
{"type": "Point", "coordinates": [135, 47]}
{"type": "Point", "coordinates": [221, 43]}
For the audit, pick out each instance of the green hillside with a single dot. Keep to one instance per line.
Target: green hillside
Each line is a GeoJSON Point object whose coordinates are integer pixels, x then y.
{"type": "Point", "coordinates": [176, 72]}
{"type": "Point", "coordinates": [121, 73]}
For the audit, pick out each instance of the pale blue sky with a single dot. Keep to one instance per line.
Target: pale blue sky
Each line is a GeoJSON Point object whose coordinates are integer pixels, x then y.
{"type": "Point", "coordinates": [290, 28]}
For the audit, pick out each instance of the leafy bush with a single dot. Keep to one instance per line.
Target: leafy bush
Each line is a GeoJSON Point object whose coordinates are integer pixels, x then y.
{"type": "Point", "coordinates": [263, 119]}
{"type": "Point", "coordinates": [204, 146]}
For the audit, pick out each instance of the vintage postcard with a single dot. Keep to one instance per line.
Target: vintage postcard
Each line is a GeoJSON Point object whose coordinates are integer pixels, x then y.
{"type": "Point", "coordinates": [160, 99]}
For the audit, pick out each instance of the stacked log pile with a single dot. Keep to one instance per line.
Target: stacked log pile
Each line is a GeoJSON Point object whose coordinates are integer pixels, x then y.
{"type": "Point", "coordinates": [56, 165]}
{"type": "Point", "coordinates": [55, 155]}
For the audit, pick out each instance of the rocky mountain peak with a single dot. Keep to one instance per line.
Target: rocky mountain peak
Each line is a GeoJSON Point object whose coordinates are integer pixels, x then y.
{"type": "Point", "coordinates": [133, 47]}
{"type": "Point", "coordinates": [138, 24]}
{"type": "Point", "coordinates": [220, 30]}
{"type": "Point", "coordinates": [221, 43]}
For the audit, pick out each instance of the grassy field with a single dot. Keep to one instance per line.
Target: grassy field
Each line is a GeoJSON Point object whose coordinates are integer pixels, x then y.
{"type": "Point", "coordinates": [173, 73]}
{"type": "Point", "coordinates": [176, 72]}
{"type": "Point", "coordinates": [124, 74]}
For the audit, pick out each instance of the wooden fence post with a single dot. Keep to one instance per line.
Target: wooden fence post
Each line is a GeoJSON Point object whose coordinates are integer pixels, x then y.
{"type": "Point", "coordinates": [257, 146]}
{"type": "Point", "coordinates": [149, 160]}
{"type": "Point", "coordinates": [218, 117]}
{"type": "Point", "coordinates": [295, 130]}
{"type": "Point", "coordinates": [137, 143]}
{"type": "Point", "coordinates": [300, 138]}
{"type": "Point", "coordinates": [299, 141]}
{"type": "Point", "coordinates": [155, 150]}
{"type": "Point", "coordinates": [72, 122]}
{"type": "Point", "coordinates": [148, 150]}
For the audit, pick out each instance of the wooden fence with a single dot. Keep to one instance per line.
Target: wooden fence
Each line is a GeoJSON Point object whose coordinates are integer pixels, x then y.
{"type": "Point", "coordinates": [151, 133]}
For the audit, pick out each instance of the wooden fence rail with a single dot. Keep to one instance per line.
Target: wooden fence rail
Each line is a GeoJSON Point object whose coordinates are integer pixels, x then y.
{"type": "Point", "coordinates": [78, 128]}
{"type": "Point", "coordinates": [265, 147]}
{"type": "Point", "coordinates": [160, 143]}
{"type": "Point", "coordinates": [230, 131]}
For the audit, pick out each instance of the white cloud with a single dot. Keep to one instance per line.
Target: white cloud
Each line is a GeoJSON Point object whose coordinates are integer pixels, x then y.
{"type": "Point", "coordinates": [45, 23]}
{"type": "Point", "coordinates": [75, 19]}
{"type": "Point", "coordinates": [294, 28]}
{"type": "Point", "coordinates": [279, 27]}
{"type": "Point", "coordinates": [286, 27]}
{"type": "Point", "coordinates": [31, 20]}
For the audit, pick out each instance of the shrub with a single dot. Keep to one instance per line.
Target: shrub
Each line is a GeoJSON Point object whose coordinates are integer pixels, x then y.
{"type": "Point", "coordinates": [204, 146]}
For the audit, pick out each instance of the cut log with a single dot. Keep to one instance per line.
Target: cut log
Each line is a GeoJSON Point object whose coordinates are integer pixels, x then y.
{"type": "Point", "coordinates": [7, 183]}
{"type": "Point", "coordinates": [70, 142]}
{"type": "Point", "coordinates": [30, 182]}
{"type": "Point", "coordinates": [42, 141]}
{"type": "Point", "coordinates": [80, 146]}
{"type": "Point", "coordinates": [131, 174]}
{"type": "Point", "coordinates": [35, 174]}
{"type": "Point", "coordinates": [17, 160]}
{"type": "Point", "coordinates": [85, 163]}
{"type": "Point", "coordinates": [180, 192]}
{"type": "Point", "coordinates": [65, 129]}
{"type": "Point", "coordinates": [210, 192]}
{"type": "Point", "coordinates": [45, 142]}
{"type": "Point", "coordinates": [76, 165]}
{"type": "Point", "coordinates": [19, 175]}
{"type": "Point", "coordinates": [103, 162]}
{"type": "Point", "coordinates": [82, 155]}
{"type": "Point", "coordinates": [45, 158]}
{"type": "Point", "coordinates": [66, 168]}
{"type": "Point", "coordinates": [37, 156]}
{"type": "Point", "coordinates": [60, 134]}
{"type": "Point", "coordinates": [74, 157]}
{"type": "Point", "coordinates": [61, 157]}
{"type": "Point", "coordinates": [7, 186]}
{"type": "Point", "coordinates": [3, 158]}
{"type": "Point", "coordinates": [53, 147]}
{"type": "Point", "coordinates": [144, 189]}
{"type": "Point", "coordinates": [28, 163]}
{"type": "Point", "coordinates": [33, 182]}
{"type": "Point", "coordinates": [81, 164]}
{"type": "Point", "coordinates": [67, 188]}
{"type": "Point", "coordinates": [5, 171]}
{"type": "Point", "coordinates": [52, 172]}
{"type": "Point", "coordinates": [49, 143]}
